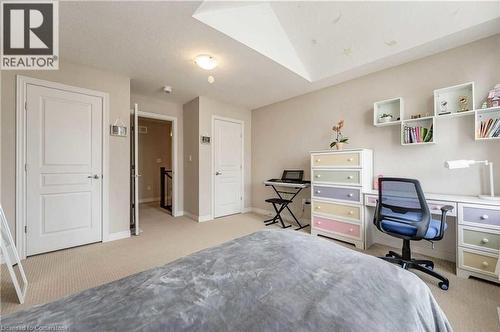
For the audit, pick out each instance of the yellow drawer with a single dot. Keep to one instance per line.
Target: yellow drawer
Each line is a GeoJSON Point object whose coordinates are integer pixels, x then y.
{"type": "Point", "coordinates": [341, 159]}
{"type": "Point", "coordinates": [351, 212]}
{"type": "Point", "coordinates": [477, 261]}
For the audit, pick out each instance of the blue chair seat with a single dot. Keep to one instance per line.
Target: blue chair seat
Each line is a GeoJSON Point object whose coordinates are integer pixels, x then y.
{"type": "Point", "coordinates": [406, 229]}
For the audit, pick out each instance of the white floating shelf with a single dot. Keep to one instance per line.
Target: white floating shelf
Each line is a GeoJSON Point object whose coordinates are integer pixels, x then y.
{"type": "Point", "coordinates": [447, 101]}
{"type": "Point", "coordinates": [426, 123]}
{"type": "Point", "coordinates": [394, 107]}
{"type": "Point", "coordinates": [484, 116]}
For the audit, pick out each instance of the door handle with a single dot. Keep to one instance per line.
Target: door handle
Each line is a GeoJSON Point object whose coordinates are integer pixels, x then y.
{"type": "Point", "coordinates": [95, 176]}
{"type": "Point", "coordinates": [218, 173]}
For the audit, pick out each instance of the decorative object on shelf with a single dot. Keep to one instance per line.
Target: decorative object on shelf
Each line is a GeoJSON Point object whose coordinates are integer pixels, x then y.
{"type": "Point", "coordinates": [493, 99]}
{"type": "Point", "coordinates": [452, 100]}
{"type": "Point", "coordinates": [118, 128]}
{"type": "Point", "coordinates": [418, 116]}
{"type": "Point", "coordinates": [487, 123]}
{"type": "Point", "coordinates": [388, 112]}
{"type": "Point", "coordinates": [443, 108]}
{"type": "Point", "coordinates": [384, 118]}
{"type": "Point", "coordinates": [464, 103]}
{"type": "Point", "coordinates": [454, 164]}
{"type": "Point", "coordinates": [340, 139]}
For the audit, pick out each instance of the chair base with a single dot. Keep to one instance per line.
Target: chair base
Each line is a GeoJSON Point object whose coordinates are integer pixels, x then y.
{"type": "Point", "coordinates": [422, 265]}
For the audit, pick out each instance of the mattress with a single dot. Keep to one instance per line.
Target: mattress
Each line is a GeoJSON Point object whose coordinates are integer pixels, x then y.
{"type": "Point", "coordinates": [271, 280]}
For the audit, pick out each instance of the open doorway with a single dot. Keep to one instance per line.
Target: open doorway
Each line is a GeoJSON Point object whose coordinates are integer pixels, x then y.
{"type": "Point", "coordinates": [155, 163]}
{"type": "Point", "coordinates": [153, 168]}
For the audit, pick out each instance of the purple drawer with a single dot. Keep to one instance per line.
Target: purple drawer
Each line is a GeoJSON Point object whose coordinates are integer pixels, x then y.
{"type": "Point", "coordinates": [345, 194]}
{"type": "Point", "coordinates": [481, 215]}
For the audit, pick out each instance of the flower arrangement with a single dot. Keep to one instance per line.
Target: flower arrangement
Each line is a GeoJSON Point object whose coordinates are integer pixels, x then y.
{"type": "Point", "coordinates": [340, 139]}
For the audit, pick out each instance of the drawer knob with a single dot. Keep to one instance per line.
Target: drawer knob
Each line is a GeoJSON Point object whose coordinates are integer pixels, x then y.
{"type": "Point", "coordinates": [350, 159]}
{"type": "Point", "coordinates": [351, 212]}
{"type": "Point", "coordinates": [318, 207]}
{"type": "Point", "coordinates": [350, 177]}
{"type": "Point", "coordinates": [318, 160]}
{"type": "Point", "coordinates": [485, 264]}
{"type": "Point", "coordinates": [485, 240]}
{"type": "Point", "coordinates": [351, 230]}
{"type": "Point", "coordinates": [318, 191]}
{"type": "Point", "coordinates": [318, 175]}
{"type": "Point", "coordinates": [319, 222]}
{"type": "Point", "coordinates": [350, 195]}
{"type": "Point", "coordinates": [484, 216]}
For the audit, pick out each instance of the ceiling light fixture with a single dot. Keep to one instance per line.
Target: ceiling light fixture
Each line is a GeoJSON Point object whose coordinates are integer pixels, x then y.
{"type": "Point", "coordinates": [205, 61]}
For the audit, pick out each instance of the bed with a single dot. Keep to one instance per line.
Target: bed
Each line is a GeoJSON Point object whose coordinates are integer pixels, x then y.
{"type": "Point", "coordinates": [271, 280]}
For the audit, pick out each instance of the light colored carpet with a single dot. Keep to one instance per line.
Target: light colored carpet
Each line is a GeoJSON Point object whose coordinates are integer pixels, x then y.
{"type": "Point", "coordinates": [471, 305]}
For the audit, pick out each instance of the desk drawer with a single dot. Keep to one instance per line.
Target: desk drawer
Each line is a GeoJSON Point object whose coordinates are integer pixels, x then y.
{"type": "Point", "coordinates": [338, 176]}
{"type": "Point", "coordinates": [340, 193]}
{"type": "Point", "coordinates": [336, 226]}
{"type": "Point", "coordinates": [337, 159]}
{"type": "Point", "coordinates": [479, 215]}
{"type": "Point", "coordinates": [479, 239]}
{"type": "Point", "coordinates": [352, 212]}
{"type": "Point", "coordinates": [477, 261]}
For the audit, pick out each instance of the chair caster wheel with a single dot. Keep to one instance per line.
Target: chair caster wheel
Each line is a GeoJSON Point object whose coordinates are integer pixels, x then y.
{"type": "Point", "coordinates": [443, 286]}
{"type": "Point", "coordinates": [388, 255]}
{"type": "Point", "coordinates": [430, 267]}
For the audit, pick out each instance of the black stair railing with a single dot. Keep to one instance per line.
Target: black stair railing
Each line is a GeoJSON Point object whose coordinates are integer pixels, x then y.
{"type": "Point", "coordinates": [166, 189]}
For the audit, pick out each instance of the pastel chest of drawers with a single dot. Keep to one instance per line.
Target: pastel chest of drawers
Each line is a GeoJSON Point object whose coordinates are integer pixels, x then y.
{"type": "Point", "coordinates": [338, 180]}
{"type": "Point", "coordinates": [478, 240]}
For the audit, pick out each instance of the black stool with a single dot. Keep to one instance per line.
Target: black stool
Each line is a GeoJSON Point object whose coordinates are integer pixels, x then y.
{"type": "Point", "coordinates": [282, 203]}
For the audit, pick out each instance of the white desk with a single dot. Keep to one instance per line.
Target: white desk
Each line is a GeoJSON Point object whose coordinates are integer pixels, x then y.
{"type": "Point", "coordinates": [472, 239]}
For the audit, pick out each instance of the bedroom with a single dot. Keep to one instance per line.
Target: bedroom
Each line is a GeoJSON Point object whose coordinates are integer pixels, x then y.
{"type": "Point", "coordinates": [245, 105]}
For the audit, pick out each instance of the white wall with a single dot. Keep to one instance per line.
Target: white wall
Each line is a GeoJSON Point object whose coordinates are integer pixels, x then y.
{"type": "Point", "coordinates": [285, 132]}
{"type": "Point", "coordinates": [160, 106]}
{"type": "Point", "coordinates": [191, 157]}
{"type": "Point", "coordinates": [118, 87]}
{"type": "Point", "coordinates": [209, 108]}
{"type": "Point", "coordinates": [198, 115]}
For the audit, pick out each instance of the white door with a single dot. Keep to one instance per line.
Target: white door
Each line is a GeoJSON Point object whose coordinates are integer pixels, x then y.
{"type": "Point", "coordinates": [136, 174]}
{"type": "Point", "coordinates": [64, 169]}
{"type": "Point", "coordinates": [228, 165]}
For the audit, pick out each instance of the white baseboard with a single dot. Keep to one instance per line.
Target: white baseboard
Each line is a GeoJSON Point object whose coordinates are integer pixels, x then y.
{"type": "Point", "coordinates": [204, 218]}
{"type": "Point", "coordinates": [117, 236]}
{"type": "Point", "coordinates": [149, 200]}
{"type": "Point", "coordinates": [247, 209]}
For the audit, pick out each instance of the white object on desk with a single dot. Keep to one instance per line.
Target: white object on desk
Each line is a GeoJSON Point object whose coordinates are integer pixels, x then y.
{"type": "Point", "coordinates": [454, 164]}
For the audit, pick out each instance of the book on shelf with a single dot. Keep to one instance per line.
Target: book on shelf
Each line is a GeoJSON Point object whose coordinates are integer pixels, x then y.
{"type": "Point", "coordinates": [489, 128]}
{"type": "Point", "coordinates": [418, 134]}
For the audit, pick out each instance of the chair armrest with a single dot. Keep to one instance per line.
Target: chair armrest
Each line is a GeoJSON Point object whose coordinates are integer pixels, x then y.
{"type": "Point", "coordinates": [444, 210]}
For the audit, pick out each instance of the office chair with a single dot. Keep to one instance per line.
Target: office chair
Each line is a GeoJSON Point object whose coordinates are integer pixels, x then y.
{"type": "Point", "coordinates": [402, 212]}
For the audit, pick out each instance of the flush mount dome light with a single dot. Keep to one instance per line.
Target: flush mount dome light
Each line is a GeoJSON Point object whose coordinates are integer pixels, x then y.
{"type": "Point", "coordinates": [205, 61]}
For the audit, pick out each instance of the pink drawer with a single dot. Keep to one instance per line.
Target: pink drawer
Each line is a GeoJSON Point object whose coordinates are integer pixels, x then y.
{"type": "Point", "coordinates": [336, 226]}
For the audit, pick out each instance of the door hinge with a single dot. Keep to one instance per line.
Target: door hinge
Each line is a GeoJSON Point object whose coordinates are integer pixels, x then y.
{"type": "Point", "coordinates": [25, 105]}
{"type": "Point", "coordinates": [26, 229]}
{"type": "Point", "coordinates": [25, 167]}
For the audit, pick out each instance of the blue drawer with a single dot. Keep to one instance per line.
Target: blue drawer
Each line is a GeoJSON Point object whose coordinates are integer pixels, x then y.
{"type": "Point", "coordinates": [481, 215]}
{"type": "Point", "coordinates": [341, 193]}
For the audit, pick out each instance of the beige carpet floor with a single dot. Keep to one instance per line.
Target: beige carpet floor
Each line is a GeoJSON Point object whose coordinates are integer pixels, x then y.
{"type": "Point", "coordinates": [471, 305]}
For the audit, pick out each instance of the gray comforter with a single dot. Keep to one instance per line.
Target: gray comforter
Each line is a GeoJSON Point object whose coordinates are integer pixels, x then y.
{"type": "Point", "coordinates": [271, 280]}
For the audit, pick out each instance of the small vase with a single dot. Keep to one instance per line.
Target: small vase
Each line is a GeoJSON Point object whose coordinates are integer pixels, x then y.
{"type": "Point", "coordinates": [339, 146]}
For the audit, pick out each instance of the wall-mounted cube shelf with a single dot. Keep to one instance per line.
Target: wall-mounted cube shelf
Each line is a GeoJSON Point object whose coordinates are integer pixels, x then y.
{"type": "Point", "coordinates": [487, 124]}
{"type": "Point", "coordinates": [393, 107]}
{"type": "Point", "coordinates": [418, 131]}
{"type": "Point", "coordinates": [457, 100]}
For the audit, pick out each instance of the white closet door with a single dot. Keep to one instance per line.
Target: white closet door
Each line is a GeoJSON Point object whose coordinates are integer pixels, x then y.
{"type": "Point", "coordinates": [228, 163]}
{"type": "Point", "coordinates": [64, 169]}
